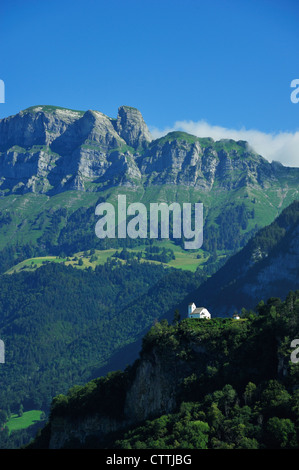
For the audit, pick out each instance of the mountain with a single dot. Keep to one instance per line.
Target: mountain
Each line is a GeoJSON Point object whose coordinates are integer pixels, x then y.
{"type": "Point", "coordinates": [46, 149]}
{"type": "Point", "coordinates": [64, 326]}
{"type": "Point", "coordinates": [267, 266]}
{"type": "Point", "coordinates": [56, 164]}
{"type": "Point", "coordinates": [218, 383]}
{"type": "Point", "coordinates": [60, 316]}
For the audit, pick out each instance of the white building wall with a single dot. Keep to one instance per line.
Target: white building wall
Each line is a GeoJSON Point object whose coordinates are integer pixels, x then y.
{"type": "Point", "coordinates": [203, 314]}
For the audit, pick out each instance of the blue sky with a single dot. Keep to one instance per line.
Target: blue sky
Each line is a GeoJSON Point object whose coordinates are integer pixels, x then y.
{"type": "Point", "coordinates": [227, 63]}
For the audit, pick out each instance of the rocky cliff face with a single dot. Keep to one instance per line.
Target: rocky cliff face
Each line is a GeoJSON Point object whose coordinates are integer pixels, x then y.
{"type": "Point", "coordinates": [68, 432]}
{"type": "Point", "coordinates": [132, 128]}
{"type": "Point", "coordinates": [178, 363]}
{"type": "Point", "coordinates": [152, 391]}
{"type": "Point", "coordinates": [204, 164]}
{"type": "Point", "coordinates": [154, 388]}
{"type": "Point", "coordinates": [46, 149]}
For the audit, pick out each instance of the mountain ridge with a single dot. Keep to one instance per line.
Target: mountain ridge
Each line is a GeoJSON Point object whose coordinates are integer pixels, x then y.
{"type": "Point", "coordinates": [48, 149]}
{"type": "Point", "coordinates": [56, 164]}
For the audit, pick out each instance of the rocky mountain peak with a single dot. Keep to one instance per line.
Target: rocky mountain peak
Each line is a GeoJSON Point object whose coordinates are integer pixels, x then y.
{"type": "Point", "coordinates": [52, 147]}
{"type": "Point", "coordinates": [131, 127]}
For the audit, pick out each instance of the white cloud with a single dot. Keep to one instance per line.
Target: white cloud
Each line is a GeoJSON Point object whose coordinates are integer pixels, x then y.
{"type": "Point", "coordinates": [282, 146]}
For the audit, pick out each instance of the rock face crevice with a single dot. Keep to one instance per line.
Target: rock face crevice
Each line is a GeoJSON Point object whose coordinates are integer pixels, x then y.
{"type": "Point", "coordinates": [46, 149]}
{"type": "Point", "coordinates": [153, 391]}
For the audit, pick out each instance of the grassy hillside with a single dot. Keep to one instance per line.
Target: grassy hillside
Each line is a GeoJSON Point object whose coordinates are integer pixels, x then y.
{"type": "Point", "coordinates": [184, 259]}
{"type": "Point", "coordinates": [36, 225]}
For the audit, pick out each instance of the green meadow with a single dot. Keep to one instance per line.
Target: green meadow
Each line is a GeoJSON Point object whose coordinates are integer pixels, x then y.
{"type": "Point", "coordinates": [22, 422]}
{"type": "Point", "coordinates": [184, 259]}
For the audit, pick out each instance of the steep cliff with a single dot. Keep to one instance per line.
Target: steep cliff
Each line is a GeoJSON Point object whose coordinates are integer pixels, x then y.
{"type": "Point", "coordinates": [132, 128]}
{"type": "Point", "coordinates": [149, 388]}
{"type": "Point", "coordinates": [47, 149]}
{"type": "Point", "coordinates": [179, 363]}
{"type": "Point", "coordinates": [55, 160]}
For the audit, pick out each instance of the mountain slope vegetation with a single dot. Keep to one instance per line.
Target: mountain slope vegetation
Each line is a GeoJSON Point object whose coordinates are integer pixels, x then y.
{"type": "Point", "coordinates": [269, 264]}
{"type": "Point", "coordinates": [64, 326]}
{"type": "Point", "coordinates": [61, 325]}
{"type": "Point", "coordinates": [217, 383]}
{"type": "Point", "coordinates": [56, 165]}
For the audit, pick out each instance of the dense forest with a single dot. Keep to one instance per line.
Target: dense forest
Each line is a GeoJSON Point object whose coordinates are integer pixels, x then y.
{"type": "Point", "coordinates": [240, 390]}
{"type": "Point", "coordinates": [61, 325]}
{"type": "Point", "coordinates": [268, 265]}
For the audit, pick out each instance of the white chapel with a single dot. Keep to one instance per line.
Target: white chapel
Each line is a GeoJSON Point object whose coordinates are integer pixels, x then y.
{"type": "Point", "coordinates": [198, 312]}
